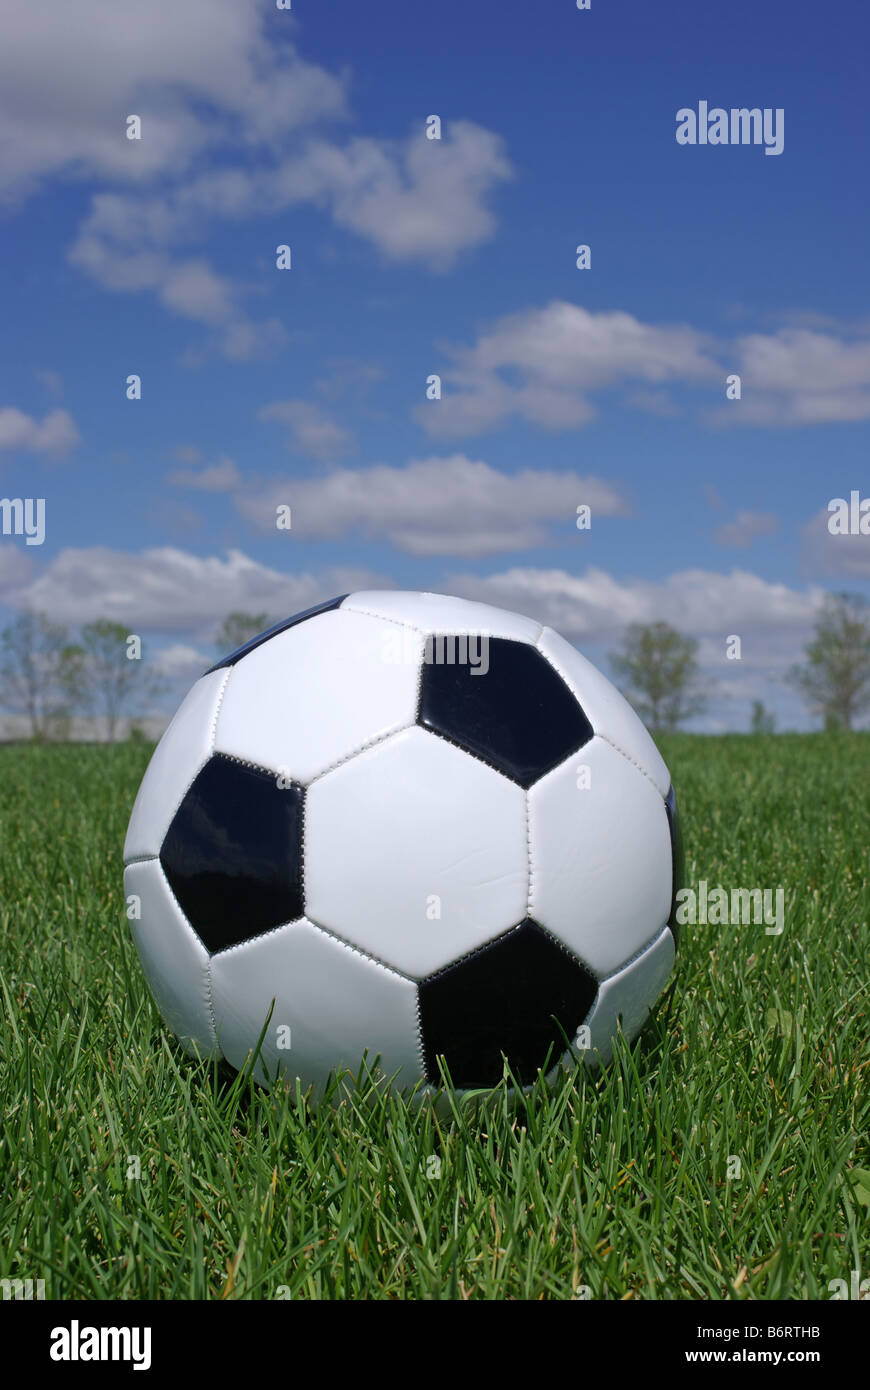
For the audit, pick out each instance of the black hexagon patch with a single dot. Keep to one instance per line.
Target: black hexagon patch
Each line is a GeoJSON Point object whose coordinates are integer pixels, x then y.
{"type": "Point", "coordinates": [233, 853]}
{"type": "Point", "coordinates": [522, 995]}
{"type": "Point", "coordinates": [513, 710]}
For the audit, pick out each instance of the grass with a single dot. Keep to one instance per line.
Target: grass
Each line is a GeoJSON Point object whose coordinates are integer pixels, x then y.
{"type": "Point", "coordinates": [617, 1185]}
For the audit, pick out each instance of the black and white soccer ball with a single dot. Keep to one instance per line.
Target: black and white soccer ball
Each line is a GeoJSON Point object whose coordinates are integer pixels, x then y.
{"type": "Point", "coordinates": [413, 827]}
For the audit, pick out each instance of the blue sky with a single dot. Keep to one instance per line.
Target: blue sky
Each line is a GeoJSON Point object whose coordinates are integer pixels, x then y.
{"type": "Point", "coordinates": [455, 257]}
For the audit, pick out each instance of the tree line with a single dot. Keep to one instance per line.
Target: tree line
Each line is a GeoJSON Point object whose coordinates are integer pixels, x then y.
{"type": "Point", "coordinates": [50, 678]}
{"type": "Point", "coordinates": [657, 668]}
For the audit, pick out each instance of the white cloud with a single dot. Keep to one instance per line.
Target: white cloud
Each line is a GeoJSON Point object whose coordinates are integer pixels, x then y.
{"type": "Point", "coordinates": [168, 590]}
{"type": "Point", "coordinates": [846, 557]}
{"type": "Point", "coordinates": [420, 199]}
{"type": "Point", "coordinates": [800, 377]}
{"type": "Point", "coordinates": [172, 593]}
{"type": "Point", "coordinates": [413, 200]}
{"type": "Point", "coordinates": [746, 528]}
{"type": "Point", "coordinates": [56, 433]}
{"type": "Point", "coordinates": [213, 77]}
{"type": "Point", "coordinates": [546, 365]}
{"type": "Point", "coordinates": [222, 476]}
{"type": "Point", "coordinates": [181, 662]}
{"type": "Point", "coordinates": [596, 604]}
{"type": "Point", "coordinates": [310, 431]}
{"type": "Point", "coordinates": [192, 289]}
{"type": "Point", "coordinates": [542, 366]}
{"type": "Point", "coordinates": [773, 621]}
{"type": "Point", "coordinates": [436, 506]}
{"type": "Point", "coordinates": [187, 287]}
{"type": "Point", "coordinates": [16, 566]}
{"type": "Point", "coordinates": [198, 73]}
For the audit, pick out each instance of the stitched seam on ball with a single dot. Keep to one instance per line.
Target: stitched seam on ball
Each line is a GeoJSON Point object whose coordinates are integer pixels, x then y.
{"type": "Point", "coordinates": [476, 632]}
{"type": "Point", "coordinates": [559, 671]}
{"type": "Point", "coordinates": [141, 859]}
{"type": "Point", "coordinates": [399, 622]}
{"type": "Point", "coordinates": [597, 732]}
{"type": "Point", "coordinates": [421, 1046]}
{"type": "Point", "coordinates": [217, 708]}
{"type": "Point", "coordinates": [205, 760]}
{"type": "Point", "coordinates": [301, 843]}
{"type": "Point", "coordinates": [418, 702]}
{"type": "Point", "coordinates": [179, 800]}
{"type": "Point", "coordinates": [270, 772]}
{"type": "Point", "coordinates": [366, 955]}
{"type": "Point", "coordinates": [641, 951]}
{"type": "Point", "coordinates": [475, 951]}
{"type": "Point", "coordinates": [634, 762]}
{"type": "Point", "coordinates": [571, 953]}
{"type": "Point", "coordinates": [258, 936]}
{"type": "Point", "coordinates": [469, 752]}
{"type": "Point", "coordinates": [210, 1001]}
{"type": "Point", "coordinates": [363, 748]}
{"type": "Point", "coordinates": [318, 926]}
{"type": "Point", "coordinates": [443, 632]}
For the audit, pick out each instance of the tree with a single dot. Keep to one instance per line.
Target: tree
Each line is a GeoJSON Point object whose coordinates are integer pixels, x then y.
{"type": "Point", "coordinates": [37, 668]}
{"type": "Point", "coordinates": [762, 722]}
{"type": "Point", "coordinates": [237, 629]}
{"type": "Point", "coordinates": [104, 678]}
{"type": "Point", "coordinates": [660, 670]}
{"type": "Point", "coordinates": [835, 682]}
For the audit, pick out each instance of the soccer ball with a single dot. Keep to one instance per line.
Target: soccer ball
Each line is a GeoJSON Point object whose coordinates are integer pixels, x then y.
{"type": "Point", "coordinates": [405, 827]}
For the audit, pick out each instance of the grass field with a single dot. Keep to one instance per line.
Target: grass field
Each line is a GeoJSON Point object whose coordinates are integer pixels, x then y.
{"type": "Point", "coordinates": [617, 1185]}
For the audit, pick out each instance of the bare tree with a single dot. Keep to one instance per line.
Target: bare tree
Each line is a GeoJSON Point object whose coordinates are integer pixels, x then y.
{"type": "Point", "coordinates": [835, 681]}
{"type": "Point", "coordinates": [37, 672]}
{"type": "Point", "coordinates": [237, 629]}
{"type": "Point", "coordinates": [107, 677]}
{"type": "Point", "coordinates": [659, 668]}
{"type": "Point", "coordinates": [762, 721]}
